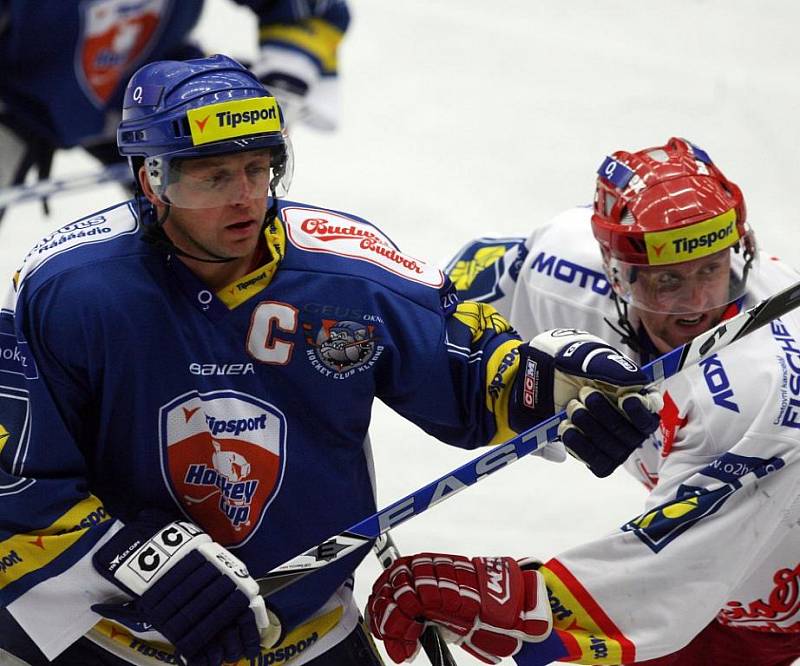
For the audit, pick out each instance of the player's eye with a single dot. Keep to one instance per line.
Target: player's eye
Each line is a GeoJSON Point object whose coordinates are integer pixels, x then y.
{"type": "Point", "coordinates": [257, 169]}
{"type": "Point", "coordinates": [668, 281]}
{"type": "Point", "coordinates": [215, 180]}
{"type": "Point", "coordinates": [711, 270]}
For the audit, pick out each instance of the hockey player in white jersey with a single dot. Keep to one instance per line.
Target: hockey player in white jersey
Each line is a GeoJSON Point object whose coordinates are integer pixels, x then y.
{"type": "Point", "coordinates": [707, 572]}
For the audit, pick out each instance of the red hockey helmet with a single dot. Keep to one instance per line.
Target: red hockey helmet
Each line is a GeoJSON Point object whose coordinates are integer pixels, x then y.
{"type": "Point", "coordinates": [657, 213]}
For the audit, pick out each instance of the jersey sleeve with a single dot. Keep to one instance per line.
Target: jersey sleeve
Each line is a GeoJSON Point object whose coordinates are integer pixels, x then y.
{"type": "Point", "coordinates": [487, 269]}
{"type": "Point", "coordinates": [50, 522]}
{"type": "Point", "coordinates": [723, 509]}
{"type": "Point", "coordinates": [311, 28]}
{"type": "Point", "coordinates": [457, 373]}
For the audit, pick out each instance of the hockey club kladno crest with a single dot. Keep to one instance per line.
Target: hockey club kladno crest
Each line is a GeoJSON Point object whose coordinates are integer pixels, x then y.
{"type": "Point", "coordinates": [340, 348]}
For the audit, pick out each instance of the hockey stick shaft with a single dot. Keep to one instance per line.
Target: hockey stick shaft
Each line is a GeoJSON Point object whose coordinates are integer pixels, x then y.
{"type": "Point", "coordinates": [119, 173]}
{"type": "Point", "coordinates": [431, 640]}
{"type": "Point", "coordinates": [496, 458]}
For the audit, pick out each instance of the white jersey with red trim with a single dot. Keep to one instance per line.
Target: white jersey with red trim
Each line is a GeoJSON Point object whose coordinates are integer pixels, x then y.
{"type": "Point", "coordinates": [718, 535]}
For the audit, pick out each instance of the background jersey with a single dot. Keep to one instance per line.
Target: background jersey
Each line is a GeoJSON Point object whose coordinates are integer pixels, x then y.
{"type": "Point", "coordinates": [66, 62]}
{"type": "Point", "coordinates": [245, 410]}
{"type": "Point", "coordinates": [723, 469]}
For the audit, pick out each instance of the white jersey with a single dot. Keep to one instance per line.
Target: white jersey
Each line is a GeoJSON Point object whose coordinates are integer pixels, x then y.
{"type": "Point", "coordinates": [720, 531]}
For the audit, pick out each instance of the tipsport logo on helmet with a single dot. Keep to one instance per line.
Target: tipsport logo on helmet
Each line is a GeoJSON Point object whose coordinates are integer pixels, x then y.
{"type": "Point", "coordinates": [223, 457]}
{"type": "Point", "coordinates": [692, 242]}
{"type": "Point", "coordinates": [230, 120]}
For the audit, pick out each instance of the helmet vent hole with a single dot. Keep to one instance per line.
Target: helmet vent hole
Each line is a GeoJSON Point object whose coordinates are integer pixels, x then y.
{"type": "Point", "coordinates": [659, 155]}
{"type": "Point", "coordinates": [627, 218]}
{"type": "Point", "coordinates": [180, 128]}
{"type": "Point", "coordinates": [609, 203]}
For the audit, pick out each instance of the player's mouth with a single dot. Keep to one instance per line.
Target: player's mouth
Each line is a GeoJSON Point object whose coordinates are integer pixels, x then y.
{"type": "Point", "coordinates": [689, 326]}
{"type": "Point", "coordinates": [690, 321]}
{"type": "Point", "coordinates": [241, 228]}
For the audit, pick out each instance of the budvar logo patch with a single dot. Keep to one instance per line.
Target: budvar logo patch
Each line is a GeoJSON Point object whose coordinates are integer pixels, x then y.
{"type": "Point", "coordinates": [323, 231]}
{"type": "Point", "coordinates": [224, 455]}
{"type": "Point", "coordinates": [698, 240]}
{"type": "Point", "coordinates": [230, 120]}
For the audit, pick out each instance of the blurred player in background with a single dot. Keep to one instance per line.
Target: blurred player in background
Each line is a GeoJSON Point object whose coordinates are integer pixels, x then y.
{"type": "Point", "coordinates": [191, 375]}
{"type": "Point", "coordinates": [709, 573]}
{"type": "Point", "coordinates": [66, 63]}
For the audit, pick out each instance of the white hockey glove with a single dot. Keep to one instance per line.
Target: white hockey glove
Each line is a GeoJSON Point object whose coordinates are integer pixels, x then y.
{"type": "Point", "coordinates": [294, 75]}
{"type": "Point", "coordinates": [190, 589]}
{"type": "Point", "coordinates": [610, 411]}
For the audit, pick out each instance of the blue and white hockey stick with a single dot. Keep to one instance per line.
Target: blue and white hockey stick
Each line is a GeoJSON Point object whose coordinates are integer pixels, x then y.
{"type": "Point", "coordinates": [496, 458]}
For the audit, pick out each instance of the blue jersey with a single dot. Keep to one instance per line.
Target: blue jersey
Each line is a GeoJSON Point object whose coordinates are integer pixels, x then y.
{"type": "Point", "coordinates": [66, 62]}
{"type": "Point", "coordinates": [125, 383]}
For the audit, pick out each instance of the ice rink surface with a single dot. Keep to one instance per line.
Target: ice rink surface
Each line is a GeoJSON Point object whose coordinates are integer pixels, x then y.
{"type": "Point", "coordinates": [470, 118]}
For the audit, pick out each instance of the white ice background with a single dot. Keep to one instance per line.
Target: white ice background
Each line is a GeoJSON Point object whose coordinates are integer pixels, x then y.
{"type": "Point", "coordinates": [468, 118]}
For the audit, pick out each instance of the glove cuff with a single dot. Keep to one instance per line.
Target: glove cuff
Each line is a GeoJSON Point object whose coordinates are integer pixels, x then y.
{"type": "Point", "coordinates": [138, 555]}
{"type": "Point", "coordinates": [294, 63]}
{"type": "Point", "coordinates": [532, 393]}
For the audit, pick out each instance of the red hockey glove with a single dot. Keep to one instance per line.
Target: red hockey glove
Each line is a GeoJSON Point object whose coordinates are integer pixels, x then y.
{"type": "Point", "coordinates": [487, 605]}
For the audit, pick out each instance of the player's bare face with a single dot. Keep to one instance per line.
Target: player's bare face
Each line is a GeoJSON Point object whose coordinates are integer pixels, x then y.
{"type": "Point", "coordinates": [682, 299]}
{"type": "Point", "coordinates": [234, 189]}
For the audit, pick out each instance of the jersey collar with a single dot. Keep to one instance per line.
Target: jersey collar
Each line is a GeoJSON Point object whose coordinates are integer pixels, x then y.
{"type": "Point", "coordinates": [240, 290]}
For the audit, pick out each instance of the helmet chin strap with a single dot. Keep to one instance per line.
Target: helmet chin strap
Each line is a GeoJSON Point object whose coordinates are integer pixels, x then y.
{"type": "Point", "coordinates": [624, 327]}
{"type": "Point", "coordinates": [155, 235]}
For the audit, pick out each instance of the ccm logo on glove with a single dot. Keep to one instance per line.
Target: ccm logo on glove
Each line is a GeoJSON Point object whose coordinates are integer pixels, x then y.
{"type": "Point", "coordinates": [610, 409]}
{"type": "Point", "coordinates": [190, 589]}
{"type": "Point", "coordinates": [497, 579]}
{"type": "Point", "coordinates": [143, 562]}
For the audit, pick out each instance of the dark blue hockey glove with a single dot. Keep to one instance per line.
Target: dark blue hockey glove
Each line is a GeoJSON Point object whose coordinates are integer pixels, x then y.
{"type": "Point", "coordinates": [187, 587]}
{"type": "Point", "coordinates": [610, 411]}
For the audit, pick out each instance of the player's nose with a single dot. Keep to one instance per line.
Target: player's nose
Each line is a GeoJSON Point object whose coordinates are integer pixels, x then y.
{"type": "Point", "coordinates": [241, 190]}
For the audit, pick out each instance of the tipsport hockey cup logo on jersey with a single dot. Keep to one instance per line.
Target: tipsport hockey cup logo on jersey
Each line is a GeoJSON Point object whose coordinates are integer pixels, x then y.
{"type": "Point", "coordinates": [339, 349]}
{"type": "Point", "coordinates": [223, 458]}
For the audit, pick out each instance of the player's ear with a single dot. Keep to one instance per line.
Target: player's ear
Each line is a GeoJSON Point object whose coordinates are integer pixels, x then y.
{"type": "Point", "coordinates": [144, 183]}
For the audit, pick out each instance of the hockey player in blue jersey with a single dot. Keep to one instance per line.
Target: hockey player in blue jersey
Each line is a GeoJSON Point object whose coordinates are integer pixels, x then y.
{"type": "Point", "coordinates": [66, 63]}
{"type": "Point", "coordinates": [186, 413]}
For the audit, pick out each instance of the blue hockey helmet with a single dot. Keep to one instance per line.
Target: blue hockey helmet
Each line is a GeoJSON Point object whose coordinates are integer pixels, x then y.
{"type": "Point", "coordinates": [174, 111]}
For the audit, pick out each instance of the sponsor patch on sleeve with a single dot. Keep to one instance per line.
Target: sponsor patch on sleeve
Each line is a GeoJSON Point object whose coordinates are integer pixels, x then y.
{"type": "Point", "coordinates": [323, 231]}
{"type": "Point", "coordinates": [587, 632]}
